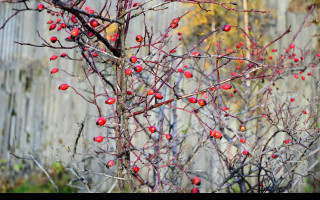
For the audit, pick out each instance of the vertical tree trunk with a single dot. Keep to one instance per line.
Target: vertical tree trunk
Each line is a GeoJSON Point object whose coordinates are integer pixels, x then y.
{"type": "Point", "coordinates": [122, 132]}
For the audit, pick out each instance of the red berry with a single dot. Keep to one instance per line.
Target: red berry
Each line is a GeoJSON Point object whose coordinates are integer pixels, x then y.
{"type": "Point", "coordinates": [75, 32]}
{"type": "Point", "coordinates": [225, 108]}
{"type": "Point", "coordinates": [110, 163]}
{"type": "Point", "coordinates": [226, 87]}
{"type": "Point", "coordinates": [40, 7]}
{"type": "Point", "coordinates": [63, 87]}
{"type": "Point", "coordinates": [55, 70]}
{"type": "Point", "coordinates": [101, 121]}
{"type": "Point", "coordinates": [173, 51]}
{"type": "Point", "coordinates": [242, 140]}
{"type": "Point", "coordinates": [129, 92]}
{"type": "Point", "coordinates": [150, 92]}
{"type": "Point", "coordinates": [169, 137]}
{"type": "Point", "coordinates": [74, 20]}
{"type": "Point", "coordinates": [196, 181]}
{"type": "Point", "coordinates": [138, 68]}
{"type": "Point", "coordinates": [139, 38]}
{"type": "Point", "coordinates": [318, 55]}
{"type": "Point", "coordinates": [274, 156]}
{"type": "Point", "coordinates": [158, 96]}
{"type": "Point", "coordinates": [179, 34]}
{"type": "Point", "coordinates": [216, 134]}
{"type": "Point", "coordinates": [195, 190]}
{"type": "Point", "coordinates": [188, 74]}
{"type": "Point", "coordinates": [94, 23]}
{"type": "Point", "coordinates": [135, 170]}
{"type": "Point", "coordinates": [58, 20]}
{"type": "Point", "coordinates": [111, 100]}
{"type": "Point", "coordinates": [274, 50]}
{"type": "Point", "coordinates": [296, 59]}
{"type": "Point", "coordinates": [202, 102]}
{"type": "Point", "coordinates": [286, 141]}
{"type": "Point", "coordinates": [136, 4]}
{"type": "Point", "coordinates": [292, 99]}
{"type": "Point", "coordinates": [245, 153]}
{"type": "Point", "coordinates": [90, 11]}
{"type": "Point", "coordinates": [53, 39]}
{"type": "Point", "coordinates": [50, 22]}
{"type": "Point", "coordinates": [52, 27]}
{"type": "Point", "coordinates": [196, 54]}
{"type": "Point", "coordinates": [303, 78]}
{"type": "Point", "coordinates": [98, 139]}
{"type": "Point", "coordinates": [63, 55]}
{"type": "Point", "coordinates": [193, 100]}
{"type": "Point", "coordinates": [292, 46]}
{"type": "Point", "coordinates": [173, 25]}
{"type": "Point", "coordinates": [112, 38]}
{"type": "Point", "coordinates": [133, 59]}
{"type": "Point", "coordinates": [296, 76]}
{"type": "Point", "coordinates": [176, 20]}
{"type": "Point", "coordinates": [304, 112]}
{"type": "Point", "coordinates": [226, 28]}
{"type": "Point", "coordinates": [152, 129]}
{"type": "Point", "coordinates": [180, 70]}
{"type": "Point", "coordinates": [53, 57]}
{"type": "Point", "coordinates": [63, 25]}
{"type": "Point", "coordinates": [129, 72]}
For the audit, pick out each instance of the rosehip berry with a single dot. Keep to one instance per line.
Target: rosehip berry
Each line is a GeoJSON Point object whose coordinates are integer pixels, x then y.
{"type": "Point", "coordinates": [196, 181]}
{"type": "Point", "coordinates": [296, 59]}
{"type": "Point", "coordinates": [136, 4]}
{"type": "Point", "coordinates": [129, 72]}
{"type": "Point", "coordinates": [129, 92]}
{"type": "Point", "coordinates": [274, 156]}
{"type": "Point", "coordinates": [169, 137]}
{"type": "Point", "coordinates": [296, 76]}
{"type": "Point", "coordinates": [173, 25]}
{"type": "Point", "coordinates": [225, 108]}
{"type": "Point", "coordinates": [98, 139]}
{"type": "Point", "coordinates": [58, 20]}
{"type": "Point", "coordinates": [202, 102]}
{"type": "Point", "coordinates": [150, 92]}
{"type": "Point", "coordinates": [195, 190]}
{"type": "Point", "coordinates": [286, 141]}
{"type": "Point", "coordinates": [242, 140]}
{"type": "Point", "coordinates": [53, 57]}
{"type": "Point", "coordinates": [139, 38]}
{"type": "Point", "coordinates": [303, 78]}
{"type": "Point", "coordinates": [188, 74]}
{"type": "Point", "coordinates": [242, 128]}
{"type": "Point", "coordinates": [55, 70]}
{"type": "Point", "coordinates": [138, 68]}
{"type": "Point", "coordinates": [196, 54]}
{"type": "Point", "coordinates": [90, 11]}
{"type": "Point", "coordinates": [112, 38]}
{"type": "Point", "coordinates": [176, 20]}
{"type": "Point", "coordinates": [304, 112]}
{"type": "Point", "coordinates": [74, 20]}
{"type": "Point", "coordinates": [110, 163]}
{"type": "Point", "coordinates": [292, 99]}
{"type": "Point", "coordinates": [152, 129]}
{"type": "Point", "coordinates": [135, 170]}
{"type": "Point", "coordinates": [318, 55]}
{"type": "Point", "coordinates": [173, 51]}
{"type": "Point", "coordinates": [179, 34]}
{"type": "Point", "coordinates": [101, 121]}
{"type": "Point", "coordinates": [274, 50]}
{"type": "Point", "coordinates": [226, 28]}
{"type": "Point", "coordinates": [63, 55]}
{"type": "Point", "coordinates": [193, 100]}
{"type": "Point", "coordinates": [226, 87]}
{"type": "Point", "coordinates": [75, 32]}
{"type": "Point", "coordinates": [49, 22]}
{"type": "Point", "coordinates": [245, 153]}
{"type": "Point", "coordinates": [63, 25]}
{"type": "Point", "coordinates": [111, 100]}
{"type": "Point", "coordinates": [53, 39]}
{"type": "Point", "coordinates": [158, 96]}
{"type": "Point", "coordinates": [216, 134]}
{"type": "Point", "coordinates": [94, 23]}
{"type": "Point", "coordinates": [180, 70]}
{"type": "Point", "coordinates": [63, 87]}
{"type": "Point", "coordinates": [292, 46]}
{"type": "Point", "coordinates": [233, 74]}
{"type": "Point", "coordinates": [40, 7]}
{"type": "Point", "coordinates": [133, 59]}
{"type": "Point", "coordinates": [52, 27]}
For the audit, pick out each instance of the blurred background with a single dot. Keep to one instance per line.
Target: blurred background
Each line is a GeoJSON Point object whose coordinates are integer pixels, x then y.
{"type": "Point", "coordinates": [35, 118]}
